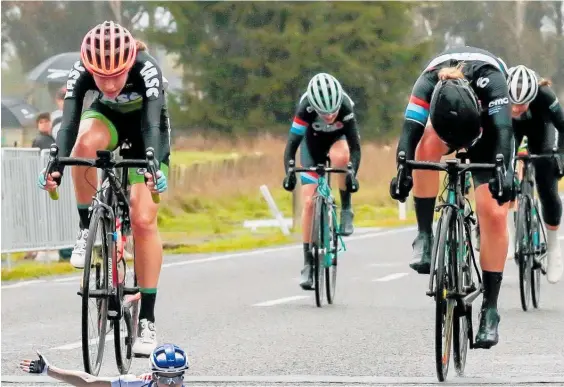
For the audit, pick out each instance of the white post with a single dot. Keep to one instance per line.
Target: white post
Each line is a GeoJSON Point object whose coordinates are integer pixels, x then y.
{"type": "Point", "coordinates": [274, 209]}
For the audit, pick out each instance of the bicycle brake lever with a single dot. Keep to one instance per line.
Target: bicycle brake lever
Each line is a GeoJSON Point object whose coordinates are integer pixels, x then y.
{"type": "Point", "coordinates": [52, 166]}
{"type": "Point", "coordinates": [151, 168]}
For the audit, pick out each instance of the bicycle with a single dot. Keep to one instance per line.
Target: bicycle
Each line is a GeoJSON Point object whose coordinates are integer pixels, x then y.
{"type": "Point", "coordinates": [325, 237]}
{"type": "Point", "coordinates": [453, 283]}
{"type": "Point", "coordinates": [117, 300]}
{"type": "Point", "coordinates": [530, 235]}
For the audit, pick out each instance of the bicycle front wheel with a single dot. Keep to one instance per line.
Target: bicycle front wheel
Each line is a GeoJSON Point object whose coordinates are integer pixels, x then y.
{"type": "Point", "coordinates": [333, 249]}
{"type": "Point", "coordinates": [95, 293]}
{"type": "Point", "coordinates": [444, 284]}
{"type": "Point", "coordinates": [318, 248]}
{"type": "Point", "coordinates": [462, 316]}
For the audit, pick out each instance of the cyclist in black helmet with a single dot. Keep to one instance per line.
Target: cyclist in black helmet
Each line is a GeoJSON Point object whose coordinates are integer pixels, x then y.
{"type": "Point", "coordinates": [464, 93]}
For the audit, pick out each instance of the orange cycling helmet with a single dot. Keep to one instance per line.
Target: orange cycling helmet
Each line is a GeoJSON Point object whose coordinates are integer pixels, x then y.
{"type": "Point", "coordinates": [108, 50]}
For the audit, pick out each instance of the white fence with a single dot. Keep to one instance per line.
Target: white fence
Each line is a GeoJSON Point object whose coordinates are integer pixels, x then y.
{"type": "Point", "coordinates": [30, 219]}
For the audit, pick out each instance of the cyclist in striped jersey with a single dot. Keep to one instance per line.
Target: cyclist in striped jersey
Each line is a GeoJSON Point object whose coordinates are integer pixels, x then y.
{"type": "Point", "coordinates": [464, 93]}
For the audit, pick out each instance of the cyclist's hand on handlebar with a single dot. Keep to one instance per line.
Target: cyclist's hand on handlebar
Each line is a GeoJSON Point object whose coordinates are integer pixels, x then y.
{"type": "Point", "coordinates": [351, 182]}
{"type": "Point", "coordinates": [404, 186]}
{"type": "Point", "coordinates": [508, 185]}
{"type": "Point", "coordinates": [51, 183]}
{"type": "Point", "coordinates": [162, 183]}
{"type": "Point", "coordinates": [289, 182]}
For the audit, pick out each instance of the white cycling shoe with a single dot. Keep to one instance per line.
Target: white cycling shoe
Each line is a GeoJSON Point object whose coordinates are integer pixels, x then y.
{"type": "Point", "coordinates": [79, 250]}
{"type": "Point", "coordinates": [146, 340]}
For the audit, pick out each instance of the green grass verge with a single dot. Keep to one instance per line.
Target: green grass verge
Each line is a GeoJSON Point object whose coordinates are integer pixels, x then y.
{"type": "Point", "coordinates": [205, 225]}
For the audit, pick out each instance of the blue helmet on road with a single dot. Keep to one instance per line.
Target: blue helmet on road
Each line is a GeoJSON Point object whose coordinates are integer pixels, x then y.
{"type": "Point", "coordinates": [169, 359]}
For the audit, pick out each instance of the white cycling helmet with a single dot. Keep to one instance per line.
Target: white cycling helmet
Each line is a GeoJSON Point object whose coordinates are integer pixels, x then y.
{"type": "Point", "coordinates": [324, 93]}
{"type": "Point", "coordinates": [523, 85]}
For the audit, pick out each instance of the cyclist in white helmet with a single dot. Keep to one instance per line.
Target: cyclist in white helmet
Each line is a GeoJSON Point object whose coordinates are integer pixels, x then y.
{"type": "Point", "coordinates": [535, 110]}
{"type": "Point", "coordinates": [168, 365]}
{"type": "Point", "coordinates": [324, 124]}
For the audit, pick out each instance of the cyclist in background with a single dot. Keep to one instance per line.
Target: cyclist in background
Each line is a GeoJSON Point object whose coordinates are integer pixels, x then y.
{"type": "Point", "coordinates": [451, 91]}
{"type": "Point", "coordinates": [168, 365]}
{"type": "Point", "coordinates": [535, 108]}
{"type": "Point", "coordinates": [130, 107]}
{"type": "Point", "coordinates": [324, 123]}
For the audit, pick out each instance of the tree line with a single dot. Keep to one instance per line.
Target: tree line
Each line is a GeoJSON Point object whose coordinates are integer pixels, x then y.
{"type": "Point", "coordinates": [246, 64]}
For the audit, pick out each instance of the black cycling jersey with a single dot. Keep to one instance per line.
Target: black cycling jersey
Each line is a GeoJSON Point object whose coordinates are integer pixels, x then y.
{"type": "Point", "coordinates": [544, 110]}
{"type": "Point", "coordinates": [318, 133]}
{"type": "Point", "coordinates": [144, 91]}
{"type": "Point", "coordinates": [487, 76]}
{"type": "Point", "coordinates": [537, 124]}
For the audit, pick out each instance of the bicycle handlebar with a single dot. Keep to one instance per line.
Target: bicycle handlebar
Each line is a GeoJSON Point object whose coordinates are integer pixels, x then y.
{"type": "Point", "coordinates": [104, 160]}
{"type": "Point", "coordinates": [552, 155]}
{"type": "Point", "coordinates": [454, 165]}
{"type": "Point", "coordinates": [320, 169]}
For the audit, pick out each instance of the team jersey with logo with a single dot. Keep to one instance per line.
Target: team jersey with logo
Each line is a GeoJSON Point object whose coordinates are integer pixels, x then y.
{"type": "Point", "coordinates": [545, 109]}
{"type": "Point", "coordinates": [486, 74]}
{"type": "Point", "coordinates": [309, 124]}
{"type": "Point", "coordinates": [143, 91]}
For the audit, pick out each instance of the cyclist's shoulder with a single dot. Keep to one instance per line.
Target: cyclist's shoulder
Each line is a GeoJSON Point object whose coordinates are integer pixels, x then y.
{"type": "Point", "coordinates": [79, 79]}
{"type": "Point", "coordinates": [304, 110]}
{"type": "Point", "coordinates": [145, 61]}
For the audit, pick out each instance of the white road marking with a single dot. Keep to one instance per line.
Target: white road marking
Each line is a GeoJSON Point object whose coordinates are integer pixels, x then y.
{"type": "Point", "coordinates": [23, 283]}
{"type": "Point", "coordinates": [390, 277]}
{"type": "Point", "coordinates": [78, 344]}
{"type": "Point", "coordinates": [240, 255]}
{"type": "Point", "coordinates": [66, 279]}
{"type": "Point", "coordinates": [280, 301]}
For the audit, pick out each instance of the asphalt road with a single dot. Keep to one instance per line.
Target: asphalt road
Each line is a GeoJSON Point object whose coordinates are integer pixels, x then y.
{"type": "Point", "coordinates": [245, 321]}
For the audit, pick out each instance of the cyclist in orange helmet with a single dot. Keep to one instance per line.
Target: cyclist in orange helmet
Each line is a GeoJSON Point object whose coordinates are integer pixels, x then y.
{"type": "Point", "coordinates": [129, 107]}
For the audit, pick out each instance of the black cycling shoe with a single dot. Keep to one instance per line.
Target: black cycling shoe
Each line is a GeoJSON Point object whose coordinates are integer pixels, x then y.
{"type": "Point", "coordinates": [347, 217]}
{"type": "Point", "coordinates": [306, 282]}
{"type": "Point", "coordinates": [422, 251]}
{"type": "Point", "coordinates": [488, 335]}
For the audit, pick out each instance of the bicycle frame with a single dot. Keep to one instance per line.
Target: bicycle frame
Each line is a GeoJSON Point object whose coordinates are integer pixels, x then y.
{"type": "Point", "coordinates": [323, 190]}
{"type": "Point", "coordinates": [456, 179]}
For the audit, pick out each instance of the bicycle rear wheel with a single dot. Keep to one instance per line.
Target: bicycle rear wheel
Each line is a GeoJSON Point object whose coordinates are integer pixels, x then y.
{"type": "Point", "coordinates": [98, 306]}
{"type": "Point", "coordinates": [537, 268]}
{"type": "Point", "coordinates": [333, 249]}
{"type": "Point", "coordinates": [523, 251]}
{"type": "Point", "coordinates": [317, 246]}
{"type": "Point", "coordinates": [444, 306]}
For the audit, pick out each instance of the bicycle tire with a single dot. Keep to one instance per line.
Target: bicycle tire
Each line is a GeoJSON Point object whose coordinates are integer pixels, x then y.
{"type": "Point", "coordinates": [536, 271]}
{"type": "Point", "coordinates": [97, 219]}
{"type": "Point", "coordinates": [525, 259]}
{"type": "Point", "coordinates": [442, 324]}
{"type": "Point", "coordinates": [461, 318]}
{"type": "Point", "coordinates": [331, 271]}
{"type": "Point", "coordinates": [317, 244]}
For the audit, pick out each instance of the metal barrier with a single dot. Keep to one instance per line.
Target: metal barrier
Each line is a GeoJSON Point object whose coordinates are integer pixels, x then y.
{"type": "Point", "coordinates": [30, 219]}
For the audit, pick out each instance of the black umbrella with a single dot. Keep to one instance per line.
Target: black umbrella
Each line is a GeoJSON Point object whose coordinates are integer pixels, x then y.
{"type": "Point", "coordinates": [55, 69]}
{"type": "Point", "coordinates": [17, 113]}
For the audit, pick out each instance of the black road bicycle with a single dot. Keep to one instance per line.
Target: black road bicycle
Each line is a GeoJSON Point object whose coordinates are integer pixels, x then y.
{"type": "Point", "coordinates": [325, 236]}
{"type": "Point", "coordinates": [530, 235]}
{"type": "Point", "coordinates": [455, 280]}
{"type": "Point", "coordinates": [111, 294]}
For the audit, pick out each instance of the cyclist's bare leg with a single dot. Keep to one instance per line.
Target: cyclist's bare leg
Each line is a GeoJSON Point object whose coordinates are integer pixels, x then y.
{"type": "Point", "coordinates": [493, 253]}
{"type": "Point", "coordinates": [148, 262]}
{"type": "Point", "coordinates": [340, 156]}
{"type": "Point", "coordinates": [425, 191]}
{"type": "Point", "coordinates": [308, 191]}
{"type": "Point", "coordinates": [93, 135]}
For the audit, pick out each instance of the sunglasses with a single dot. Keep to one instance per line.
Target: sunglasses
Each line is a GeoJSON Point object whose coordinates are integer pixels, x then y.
{"type": "Point", "coordinates": [168, 380]}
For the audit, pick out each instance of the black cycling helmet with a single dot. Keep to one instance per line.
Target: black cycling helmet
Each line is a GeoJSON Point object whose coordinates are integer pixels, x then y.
{"type": "Point", "coordinates": [455, 113]}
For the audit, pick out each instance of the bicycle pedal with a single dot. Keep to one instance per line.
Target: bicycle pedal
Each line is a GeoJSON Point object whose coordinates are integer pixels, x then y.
{"type": "Point", "coordinates": [141, 356]}
{"type": "Point", "coordinates": [430, 293]}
